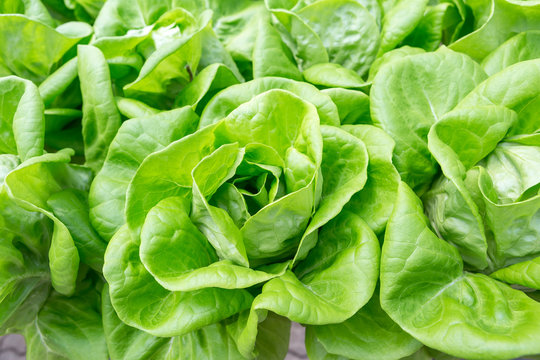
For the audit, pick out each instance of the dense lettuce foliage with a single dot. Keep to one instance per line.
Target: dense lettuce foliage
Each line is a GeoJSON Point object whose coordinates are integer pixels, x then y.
{"type": "Point", "coordinates": [183, 179]}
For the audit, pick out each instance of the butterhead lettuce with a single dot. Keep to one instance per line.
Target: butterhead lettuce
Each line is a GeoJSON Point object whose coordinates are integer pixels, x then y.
{"type": "Point", "coordinates": [185, 179]}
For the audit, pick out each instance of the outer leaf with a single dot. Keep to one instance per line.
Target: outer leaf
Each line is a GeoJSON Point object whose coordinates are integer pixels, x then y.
{"type": "Point", "coordinates": [101, 119]}
{"type": "Point", "coordinates": [375, 201]}
{"type": "Point", "coordinates": [24, 274]}
{"type": "Point", "coordinates": [391, 56]}
{"type": "Point", "coordinates": [515, 226]}
{"type": "Point", "coordinates": [498, 21]}
{"type": "Point", "coordinates": [306, 45]}
{"type": "Point", "coordinates": [270, 55]}
{"type": "Point", "coordinates": [22, 125]}
{"type": "Point", "coordinates": [204, 86]}
{"type": "Point", "coordinates": [343, 176]}
{"type": "Point", "coordinates": [136, 139]}
{"type": "Point", "coordinates": [142, 303]}
{"type": "Point", "coordinates": [369, 334]}
{"type": "Point", "coordinates": [67, 328]}
{"type": "Point", "coordinates": [125, 342]}
{"type": "Point", "coordinates": [333, 75]}
{"type": "Point", "coordinates": [352, 105]}
{"type": "Point", "coordinates": [459, 141]}
{"type": "Point", "coordinates": [30, 49]}
{"type": "Point", "coordinates": [524, 46]}
{"type": "Point", "coordinates": [525, 273]}
{"type": "Point", "coordinates": [424, 290]}
{"type": "Point", "coordinates": [31, 185]}
{"type": "Point", "coordinates": [166, 71]}
{"type": "Point", "coordinates": [429, 32]}
{"type": "Point", "coordinates": [71, 208]}
{"type": "Point", "coordinates": [355, 48]}
{"type": "Point", "coordinates": [339, 276]}
{"type": "Point", "coordinates": [408, 97]}
{"type": "Point", "coordinates": [399, 22]}
{"type": "Point", "coordinates": [229, 99]}
{"type": "Point", "coordinates": [514, 88]}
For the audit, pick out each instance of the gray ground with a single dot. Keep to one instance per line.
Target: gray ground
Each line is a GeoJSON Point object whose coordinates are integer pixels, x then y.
{"type": "Point", "coordinates": [297, 349]}
{"type": "Point", "coordinates": [12, 346]}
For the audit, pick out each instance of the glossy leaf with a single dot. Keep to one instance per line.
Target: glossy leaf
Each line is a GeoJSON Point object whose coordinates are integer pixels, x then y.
{"type": "Point", "coordinates": [24, 271]}
{"type": "Point", "coordinates": [352, 105]}
{"type": "Point", "coordinates": [205, 85]}
{"type": "Point", "coordinates": [30, 49]}
{"type": "Point", "coordinates": [333, 75]}
{"type": "Point", "coordinates": [101, 119]}
{"type": "Point", "coordinates": [270, 55]}
{"type": "Point", "coordinates": [31, 185]}
{"type": "Point", "coordinates": [22, 126]}
{"type": "Point", "coordinates": [424, 289]}
{"type": "Point", "coordinates": [71, 208]}
{"type": "Point", "coordinates": [375, 201]}
{"type": "Point", "coordinates": [503, 89]}
{"type": "Point", "coordinates": [226, 101]}
{"type": "Point", "coordinates": [521, 47]}
{"type": "Point", "coordinates": [368, 334]}
{"type": "Point", "coordinates": [135, 140]}
{"type": "Point", "coordinates": [139, 300]}
{"type": "Point", "coordinates": [408, 118]}
{"type": "Point", "coordinates": [355, 48]}
{"type": "Point", "coordinates": [322, 293]}
{"type": "Point", "coordinates": [526, 273]}
{"type": "Point", "coordinates": [67, 328]}
{"type": "Point", "coordinates": [400, 21]}
{"type": "Point", "coordinates": [123, 341]}
{"type": "Point", "coordinates": [506, 16]}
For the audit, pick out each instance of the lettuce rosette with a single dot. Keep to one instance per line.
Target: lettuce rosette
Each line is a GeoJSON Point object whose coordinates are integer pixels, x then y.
{"type": "Point", "coordinates": [261, 216]}
{"type": "Point", "coordinates": [185, 179]}
{"type": "Point", "coordinates": [93, 77]}
{"type": "Point", "coordinates": [459, 267]}
{"type": "Point", "coordinates": [50, 253]}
